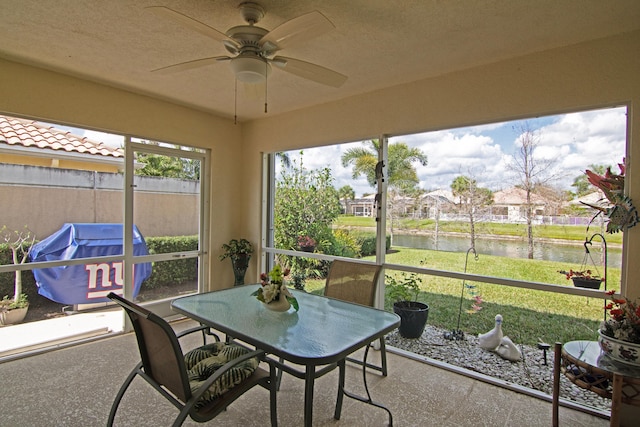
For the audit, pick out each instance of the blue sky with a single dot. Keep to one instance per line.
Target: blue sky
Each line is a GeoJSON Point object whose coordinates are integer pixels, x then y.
{"type": "Point", "coordinates": [573, 141]}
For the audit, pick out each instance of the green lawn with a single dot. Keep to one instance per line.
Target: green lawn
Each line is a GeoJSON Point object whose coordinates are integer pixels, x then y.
{"type": "Point", "coordinates": [529, 315]}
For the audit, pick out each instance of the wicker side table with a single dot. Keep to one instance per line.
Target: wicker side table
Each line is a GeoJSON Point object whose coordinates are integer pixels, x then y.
{"type": "Point", "coordinates": [584, 365]}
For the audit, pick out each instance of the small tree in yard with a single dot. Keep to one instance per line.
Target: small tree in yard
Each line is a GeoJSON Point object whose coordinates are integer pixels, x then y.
{"type": "Point", "coordinates": [471, 199]}
{"type": "Point", "coordinates": [20, 242]}
{"type": "Point", "coordinates": [306, 204]}
{"type": "Point", "coordinates": [532, 171]}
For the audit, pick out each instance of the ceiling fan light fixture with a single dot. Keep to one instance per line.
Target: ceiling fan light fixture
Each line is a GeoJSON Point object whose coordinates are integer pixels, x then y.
{"type": "Point", "coordinates": [250, 69]}
{"type": "Point", "coordinates": [253, 48]}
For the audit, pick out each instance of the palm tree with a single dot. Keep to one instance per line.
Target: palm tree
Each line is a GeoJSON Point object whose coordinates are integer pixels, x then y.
{"type": "Point", "coordinates": [346, 193]}
{"type": "Point", "coordinates": [159, 165]}
{"type": "Point", "coordinates": [400, 166]}
{"type": "Point", "coordinates": [402, 175]}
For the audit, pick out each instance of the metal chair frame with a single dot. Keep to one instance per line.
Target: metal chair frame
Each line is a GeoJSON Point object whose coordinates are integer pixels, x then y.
{"type": "Point", "coordinates": [162, 365]}
{"type": "Point", "coordinates": [356, 283]}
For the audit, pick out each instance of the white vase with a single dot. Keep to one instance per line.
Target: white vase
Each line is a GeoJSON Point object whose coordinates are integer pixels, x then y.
{"type": "Point", "coordinates": [281, 304]}
{"type": "Point", "coordinates": [618, 350]}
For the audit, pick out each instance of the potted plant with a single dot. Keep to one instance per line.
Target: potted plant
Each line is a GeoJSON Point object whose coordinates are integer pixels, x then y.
{"type": "Point", "coordinates": [404, 293]}
{"type": "Point", "coordinates": [619, 336]}
{"type": "Point", "coordinates": [13, 310]}
{"type": "Point", "coordinates": [239, 252]}
{"type": "Point", "coordinates": [618, 209]}
{"type": "Point", "coordinates": [306, 243]}
{"type": "Point", "coordinates": [583, 279]}
{"type": "Point", "coordinates": [299, 278]}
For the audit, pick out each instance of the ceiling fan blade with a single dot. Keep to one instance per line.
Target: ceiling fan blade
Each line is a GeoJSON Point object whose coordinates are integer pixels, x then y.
{"type": "Point", "coordinates": [189, 65]}
{"type": "Point", "coordinates": [297, 30]}
{"type": "Point", "coordinates": [309, 71]}
{"type": "Point", "coordinates": [192, 23]}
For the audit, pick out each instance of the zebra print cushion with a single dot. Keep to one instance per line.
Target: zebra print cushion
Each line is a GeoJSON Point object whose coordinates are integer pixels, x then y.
{"type": "Point", "coordinates": [202, 362]}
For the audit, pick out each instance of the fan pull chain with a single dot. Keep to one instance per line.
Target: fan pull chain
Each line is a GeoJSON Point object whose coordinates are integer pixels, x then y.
{"type": "Point", "coordinates": [235, 103]}
{"type": "Point", "coordinates": [266, 69]}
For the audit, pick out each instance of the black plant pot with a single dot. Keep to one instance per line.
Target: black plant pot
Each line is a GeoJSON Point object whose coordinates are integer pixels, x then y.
{"type": "Point", "coordinates": [413, 318]}
{"type": "Point", "coordinates": [581, 282]}
{"type": "Point", "coordinates": [240, 264]}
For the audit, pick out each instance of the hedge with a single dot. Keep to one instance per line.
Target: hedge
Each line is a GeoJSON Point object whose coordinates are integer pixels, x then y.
{"type": "Point", "coordinates": [163, 273]}
{"type": "Point", "coordinates": [176, 272]}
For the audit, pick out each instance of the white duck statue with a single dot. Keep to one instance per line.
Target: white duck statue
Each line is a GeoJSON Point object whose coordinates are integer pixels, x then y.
{"type": "Point", "coordinates": [508, 350]}
{"type": "Point", "coordinates": [492, 339]}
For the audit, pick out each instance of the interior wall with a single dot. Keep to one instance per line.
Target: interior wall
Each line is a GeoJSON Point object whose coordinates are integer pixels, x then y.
{"type": "Point", "coordinates": [589, 75]}
{"type": "Point", "coordinates": [27, 91]}
{"type": "Point", "coordinates": [585, 76]}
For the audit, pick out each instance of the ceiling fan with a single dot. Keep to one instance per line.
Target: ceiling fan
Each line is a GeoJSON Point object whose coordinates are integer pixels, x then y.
{"type": "Point", "coordinates": [253, 48]}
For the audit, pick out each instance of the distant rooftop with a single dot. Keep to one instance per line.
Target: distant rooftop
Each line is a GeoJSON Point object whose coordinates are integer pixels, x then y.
{"type": "Point", "coordinates": [34, 135]}
{"type": "Point", "coordinates": [515, 196]}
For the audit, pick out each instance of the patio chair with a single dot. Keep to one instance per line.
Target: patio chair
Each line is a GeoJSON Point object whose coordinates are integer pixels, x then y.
{"type": "Point", "coordinates": [201, 383]}
{"type": "Point", "coordinates": [356, 283]}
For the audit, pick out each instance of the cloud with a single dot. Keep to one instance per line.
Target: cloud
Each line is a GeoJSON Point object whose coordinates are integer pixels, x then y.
{"type": "Point", "coordinates": [573, 141]}
{"type": "Point", "coordinates": [586, 138]}
{"type": "Point", "coordinates": [331, 156]}
{"type": "Point", "coordinates": [454, 153]}
{"type": "Point", "coordinates": [110, 139]}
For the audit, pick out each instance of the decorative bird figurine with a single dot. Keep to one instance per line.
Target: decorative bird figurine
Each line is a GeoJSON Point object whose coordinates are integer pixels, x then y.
{"type": "Point", "coordinates": [508, 350]}
{"type": "Point", "coordinates": [492, 339]}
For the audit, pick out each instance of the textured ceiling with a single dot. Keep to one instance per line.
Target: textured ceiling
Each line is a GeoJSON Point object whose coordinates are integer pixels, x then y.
{"type": "Point", "coordinates": [376, 43]}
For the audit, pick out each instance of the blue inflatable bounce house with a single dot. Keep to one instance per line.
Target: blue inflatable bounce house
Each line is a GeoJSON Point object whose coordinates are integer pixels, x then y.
{"type": "Point", "coordinates": [86, 283]}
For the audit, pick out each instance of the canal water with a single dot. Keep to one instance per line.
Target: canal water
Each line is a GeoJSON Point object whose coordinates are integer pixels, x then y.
{"type": "Point", "coordinates": [570, 254]}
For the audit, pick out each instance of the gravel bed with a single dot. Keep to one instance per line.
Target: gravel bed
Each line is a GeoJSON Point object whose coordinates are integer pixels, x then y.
{"type": "Point", "coordinates": [531, 372]}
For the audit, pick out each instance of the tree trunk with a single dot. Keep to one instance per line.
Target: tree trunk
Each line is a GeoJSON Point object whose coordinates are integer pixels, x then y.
{"type": "Point", "coordinates": [529, 226]}
{"type": "Point", "coordinates": [17, 284]}
{"type": "Point", "coordinates": [472, 229]}
{"type": "Point", "coordinates": [437, 230]}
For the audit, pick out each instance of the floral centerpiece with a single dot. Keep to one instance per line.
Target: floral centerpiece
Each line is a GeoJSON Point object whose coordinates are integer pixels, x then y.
{"type": "Point", "coordinates": [273, 289]}
{"type": "Point", "coordinates": [620, 334]}
{"type": "Point", "coordinates": [620, 211]}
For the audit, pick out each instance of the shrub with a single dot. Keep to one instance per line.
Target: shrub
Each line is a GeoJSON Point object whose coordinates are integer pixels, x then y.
{"type": "Point", "coordinates": [7, 280]}
{"type": "Point", "coordinates": [172, 272]}
{"type": "Point", "coordinates": [345, 244]}
{"type": "Point", "coordinates": [367, 243]}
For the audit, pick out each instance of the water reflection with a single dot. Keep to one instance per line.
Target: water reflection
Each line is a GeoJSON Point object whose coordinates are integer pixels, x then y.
{"type": "Point", "coordinates": [571, 254]}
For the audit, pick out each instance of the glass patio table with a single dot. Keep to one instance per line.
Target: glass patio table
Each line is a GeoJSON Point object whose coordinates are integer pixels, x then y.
{"type": "Point", "coordinates": [319, 336]}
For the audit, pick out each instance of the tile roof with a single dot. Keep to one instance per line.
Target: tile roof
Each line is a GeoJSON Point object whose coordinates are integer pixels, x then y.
{"type": "Point", "coordinates": [515, 196]}
{"type": "Point", "coordinates": [31, 134]}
